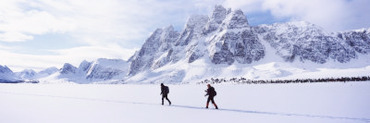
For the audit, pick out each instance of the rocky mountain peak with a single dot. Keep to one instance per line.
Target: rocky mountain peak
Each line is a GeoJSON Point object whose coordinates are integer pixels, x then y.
{"type": "Point", "coordinates": [193, 29]}
{"type": "Point", "coordinates": [219, 14]}
{"type": "Point", "coordinates": [235, 20]}
{"type": "Point", "coordinates": [160, 41]}
{"type": "Point", "coordinates": [5, 69]}
{"type": "Point", "coordinates": [85, 65]}
{"type": "Point", "coordinates": [68, 68]}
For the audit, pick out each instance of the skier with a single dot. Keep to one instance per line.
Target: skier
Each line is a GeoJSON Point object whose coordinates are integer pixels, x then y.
{"type": "Point", "coordinates": [164, 92]}
{"type": "Point", "coordinates": [211, 94]}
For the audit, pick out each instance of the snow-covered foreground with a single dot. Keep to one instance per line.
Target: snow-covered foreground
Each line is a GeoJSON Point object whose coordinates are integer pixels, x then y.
{"type": "Point", "coordinates": [265, 103]}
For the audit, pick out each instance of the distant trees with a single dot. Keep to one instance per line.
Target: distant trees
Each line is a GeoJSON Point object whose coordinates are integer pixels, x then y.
{"type": "Point", "coordinates": [243, 80]}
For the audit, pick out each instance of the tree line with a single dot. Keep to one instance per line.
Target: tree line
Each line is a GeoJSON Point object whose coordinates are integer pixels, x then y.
{"type": "Point", "coordinates": [243, 80]}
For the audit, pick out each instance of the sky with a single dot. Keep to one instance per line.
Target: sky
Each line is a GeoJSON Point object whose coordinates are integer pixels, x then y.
{"type": "Point", "coordinates": [36, 34]}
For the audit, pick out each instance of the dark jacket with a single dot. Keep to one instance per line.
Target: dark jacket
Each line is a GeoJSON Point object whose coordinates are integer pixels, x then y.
{"type": "Point", "coordinates": [164, 90]}
{"type": "Point", "coordinates": [211, 92]}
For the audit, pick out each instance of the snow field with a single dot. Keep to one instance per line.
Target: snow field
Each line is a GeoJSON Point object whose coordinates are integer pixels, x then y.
{"type": "Point", "coordinates": [288, 103]}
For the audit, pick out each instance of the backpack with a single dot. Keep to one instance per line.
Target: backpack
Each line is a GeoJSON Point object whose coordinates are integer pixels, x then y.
{"type": "Point", "coordinates": [213, 91]}
{"type": "Point", "coordinates": [166, 90]}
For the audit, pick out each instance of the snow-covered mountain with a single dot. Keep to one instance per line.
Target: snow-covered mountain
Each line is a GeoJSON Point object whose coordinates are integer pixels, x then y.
{"type": "Point", "coordinates": [224, 44]}
{"type": "Point", "coordinates": [304, 41]}
{"type": "Point", "coordinates": [359, 40]}
{"type": "Point", "coordinates": [7, 75]}
{"type": "Point", "coordinates": [29, 74]}
{"type": "Point", "coordinates": [100, 70]}
{"type": "Point", "coordinates": [155, 51]}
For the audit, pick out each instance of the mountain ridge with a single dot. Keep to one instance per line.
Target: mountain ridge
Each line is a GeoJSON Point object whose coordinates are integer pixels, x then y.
{"type": "Point", "coordinates": [227, 39]}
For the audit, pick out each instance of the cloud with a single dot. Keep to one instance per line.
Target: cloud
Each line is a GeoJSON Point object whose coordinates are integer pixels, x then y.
{"type": "Point", "coordinates": [329, 14]}
{"type": "Point", "coordinates": [20, 24]}
{"type": "Point", "coordinates": [14, 37]}
{"type": "Point", "coordinates": [18, 62]}
{"type": "Point", "coordinates": [332, 15]}
{"type": "Point", "coordinates": [246, 5]}
{"type": "Point", "coordinates": [95, 22]}
{"type": "Point", "coordinates": [359, 14]}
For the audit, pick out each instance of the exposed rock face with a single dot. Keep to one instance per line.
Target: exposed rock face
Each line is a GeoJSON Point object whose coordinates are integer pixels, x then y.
{"type": "Point", "coordinates": [305, 41]}
{"type": "Point", "coordinates": [218, 16]}
{"type": "Point", "coordinates": [358, 39]}
{"type": "Point", "coordinates": [158, 43]}
{"type": "Point", "coordinates": [235, 20]}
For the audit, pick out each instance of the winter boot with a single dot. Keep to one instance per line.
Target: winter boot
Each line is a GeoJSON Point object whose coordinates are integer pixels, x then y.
{"type": "Point", "coordinates": [215, 105]}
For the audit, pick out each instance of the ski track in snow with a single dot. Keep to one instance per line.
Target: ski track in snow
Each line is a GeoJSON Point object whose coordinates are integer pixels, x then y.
{"type": "Point", "coordinates": [366, 120]}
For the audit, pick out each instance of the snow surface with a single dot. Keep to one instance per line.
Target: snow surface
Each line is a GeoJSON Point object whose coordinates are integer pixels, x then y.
{"type": "Point", "coordinates": [259, 103]}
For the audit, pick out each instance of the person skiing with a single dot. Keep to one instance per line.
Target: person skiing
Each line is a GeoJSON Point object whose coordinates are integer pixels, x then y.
{"type": "Point", "coordinates": [164, 92]}
{"type": "Point", "coordinates": [211, 94]}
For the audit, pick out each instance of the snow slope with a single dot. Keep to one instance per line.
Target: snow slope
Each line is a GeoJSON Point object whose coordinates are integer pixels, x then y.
{"type": "Point", "coordinates": [261, 103]}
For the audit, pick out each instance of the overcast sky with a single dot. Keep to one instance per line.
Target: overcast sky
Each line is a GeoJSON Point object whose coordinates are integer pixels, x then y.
{"type": "Point", "coordinates": [36, 34]}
